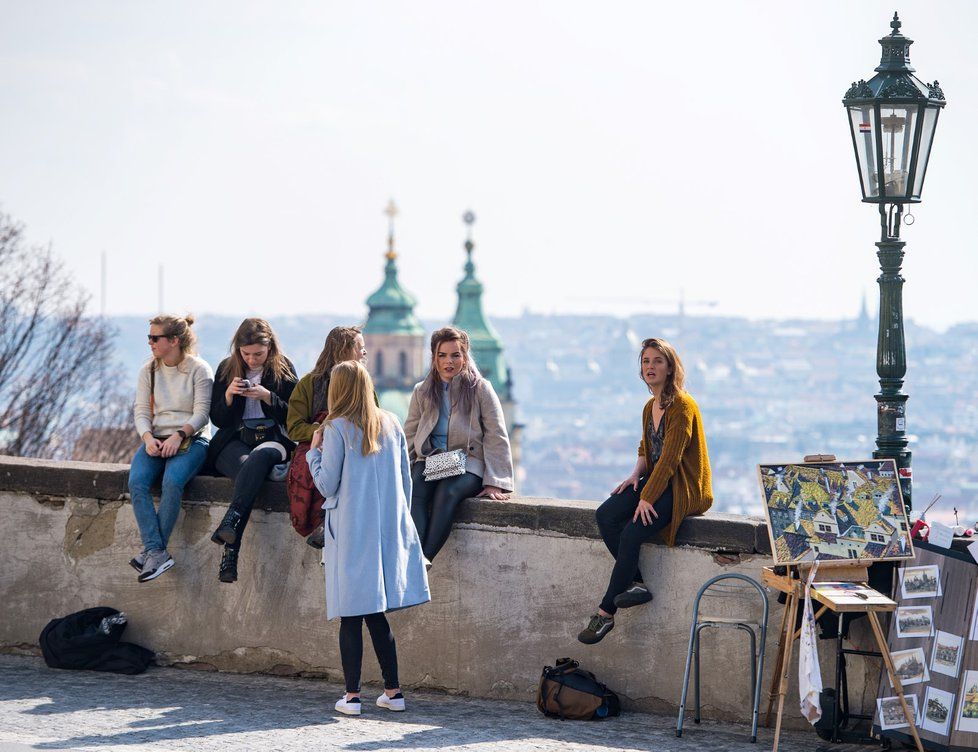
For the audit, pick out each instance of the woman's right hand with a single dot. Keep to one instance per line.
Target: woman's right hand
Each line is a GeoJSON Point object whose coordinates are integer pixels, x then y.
{"type": "Point", "coordinates": [631, 480]}
{"type": "Point", "coordinates": [152, 445]}
{"type": "Point", "coordinates": [234, 389]}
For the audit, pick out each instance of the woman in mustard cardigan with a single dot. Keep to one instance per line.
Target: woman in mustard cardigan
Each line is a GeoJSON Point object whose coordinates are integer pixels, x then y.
{"type": "Point", "coordinates": [671, 480]}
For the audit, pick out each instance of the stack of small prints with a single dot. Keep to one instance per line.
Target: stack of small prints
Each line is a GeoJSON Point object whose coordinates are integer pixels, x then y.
{"type": "Point", "coordinates": [936, 709]}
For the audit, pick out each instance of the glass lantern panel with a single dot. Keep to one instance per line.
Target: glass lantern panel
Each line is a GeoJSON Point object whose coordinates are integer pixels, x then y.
{"type": "Point", "coordinates": [926, 137]}
{"type": "Point", "coordinates": [897, 123]}
{"type": "Point", "coordinates": [863, 125]}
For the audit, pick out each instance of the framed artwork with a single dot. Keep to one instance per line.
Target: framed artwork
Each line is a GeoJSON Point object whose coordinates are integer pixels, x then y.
{"type": "Point", "coordinates": [838, 511]}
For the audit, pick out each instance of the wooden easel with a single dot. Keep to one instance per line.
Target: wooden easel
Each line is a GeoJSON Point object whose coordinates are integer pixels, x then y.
{"type": "Point", "coordinates": [828, 571]}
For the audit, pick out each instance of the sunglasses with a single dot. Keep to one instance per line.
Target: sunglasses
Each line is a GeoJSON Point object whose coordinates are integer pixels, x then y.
{"type": "Point", "coordinates": [154, 338]}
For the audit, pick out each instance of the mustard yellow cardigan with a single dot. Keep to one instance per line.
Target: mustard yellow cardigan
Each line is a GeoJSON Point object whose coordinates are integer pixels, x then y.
{"type": "Point", "coordinates": [684, 461]}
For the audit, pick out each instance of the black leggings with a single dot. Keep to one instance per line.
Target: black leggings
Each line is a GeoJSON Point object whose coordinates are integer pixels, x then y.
{"type": "Point", "coordinates": [249, 468]}
{"type": "Point", "coordinates": [624, 538]}
{"type": "Point", "coordinates": [433, 505]}
{"type": "Point", "coordinates": [351, 649]}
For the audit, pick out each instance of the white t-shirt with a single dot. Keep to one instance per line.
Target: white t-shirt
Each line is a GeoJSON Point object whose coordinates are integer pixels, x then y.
{"type": "Point", "coordinates": [252, 405]}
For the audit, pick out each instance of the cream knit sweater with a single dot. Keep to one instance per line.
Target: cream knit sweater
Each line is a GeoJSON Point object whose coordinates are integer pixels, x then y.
{"type": "Point", "coordinates": [182, 396]}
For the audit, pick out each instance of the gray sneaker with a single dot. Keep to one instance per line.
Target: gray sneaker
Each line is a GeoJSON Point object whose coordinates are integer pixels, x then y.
{"type": "Point", "coordinates": [156, 563]}
{"type": "Point", "coordinates": [136, 562]}
{"type": "Point", "coordinates": [636, 595]}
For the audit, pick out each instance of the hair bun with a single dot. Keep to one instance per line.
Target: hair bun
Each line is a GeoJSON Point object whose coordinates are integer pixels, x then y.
{"type": "Point", "coordinates": [189, 318]}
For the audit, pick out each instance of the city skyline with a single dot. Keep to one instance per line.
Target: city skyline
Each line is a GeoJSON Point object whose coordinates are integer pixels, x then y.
{"type": "Point", "coordinates": [212, 141]}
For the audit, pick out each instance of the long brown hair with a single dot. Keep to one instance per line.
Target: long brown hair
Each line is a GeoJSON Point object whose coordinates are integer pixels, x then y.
{"type": "Point", "coordinates": [676, 380]}
{"type": "Point", "coordinates": [179, 327]}
{"type": "Point", "coordinates": [255, 332]}
{"type": "Point", "coordinates": [351, 396]}
{"type": "Point", "coordinates": [338, 347]}
{"type": "Point", "coordinates": [432, 387]}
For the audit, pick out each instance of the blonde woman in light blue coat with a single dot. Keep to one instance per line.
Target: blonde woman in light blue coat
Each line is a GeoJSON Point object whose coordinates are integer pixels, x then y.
{"type": "Point", "coordinates": [359, 462]}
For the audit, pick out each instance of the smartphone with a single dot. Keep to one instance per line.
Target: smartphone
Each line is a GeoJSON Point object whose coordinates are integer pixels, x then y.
{"type": "Point", "coordinates": [246, 384]}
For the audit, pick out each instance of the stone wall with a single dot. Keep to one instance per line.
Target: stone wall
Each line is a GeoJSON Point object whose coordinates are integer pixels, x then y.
{"type": "Point", "coordinates": [511, 589]}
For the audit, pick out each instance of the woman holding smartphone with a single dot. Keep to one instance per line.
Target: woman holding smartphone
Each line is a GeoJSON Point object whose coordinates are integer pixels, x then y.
{"type": "Point", "coordinates": [670, 480]}
{"type": "Point", "coordinates": [248, 407]}
{"type": "Point", "coordinates": [373, 560]}
{"type": "Point", "coordinates": [173, 398]}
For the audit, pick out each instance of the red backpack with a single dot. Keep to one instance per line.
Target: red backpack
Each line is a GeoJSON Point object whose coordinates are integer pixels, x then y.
{"type": "Point", "coordinates": [305, 501]}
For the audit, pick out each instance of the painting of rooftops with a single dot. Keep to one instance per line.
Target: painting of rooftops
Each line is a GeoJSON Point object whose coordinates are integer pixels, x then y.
{"type": "Point", "coordinates": [835, 511]}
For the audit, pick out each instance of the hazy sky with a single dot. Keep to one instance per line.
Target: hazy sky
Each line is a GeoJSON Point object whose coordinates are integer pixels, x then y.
{"type": "Point", "coordinates": [615, 153]}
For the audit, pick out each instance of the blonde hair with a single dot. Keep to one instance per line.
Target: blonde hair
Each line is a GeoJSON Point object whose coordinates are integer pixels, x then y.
{"type": "Point", "coordinates": [179, 327]}
{"type": "Point", "coordinates": [351, 396]}
{"type": "Point", "coordinates": [676, 380]}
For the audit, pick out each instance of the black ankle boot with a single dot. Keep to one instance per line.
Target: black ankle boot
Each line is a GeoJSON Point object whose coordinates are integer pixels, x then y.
{"type": "Point", "coordinates": [229, 565]}
{"type": "Point", "coordinates": [230, 528]}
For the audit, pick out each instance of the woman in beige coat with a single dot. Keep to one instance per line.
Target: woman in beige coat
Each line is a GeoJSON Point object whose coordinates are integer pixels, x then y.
{"type": "Point", "coordinates": [454, 408]}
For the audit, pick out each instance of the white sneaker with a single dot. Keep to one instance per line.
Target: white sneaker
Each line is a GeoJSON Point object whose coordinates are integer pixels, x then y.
{"type": "Point", "coordinates": [395, 703]}
{"type": "Point", "coordinates": [349, 707]}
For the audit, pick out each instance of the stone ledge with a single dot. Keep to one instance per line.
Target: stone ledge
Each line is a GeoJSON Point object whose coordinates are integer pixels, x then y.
{"type": "Point", "coordinates": [573, 518]}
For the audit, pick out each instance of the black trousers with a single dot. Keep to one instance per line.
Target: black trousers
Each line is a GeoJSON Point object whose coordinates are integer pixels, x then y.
{"type": "Point", "coordinates": [351, 649]}
{"type": "Point", "coordinates": [433, 505]}
{"type": "Point", "coordinates": [624, 538]}
{"type": "Point", "coordinates": [248, 468]}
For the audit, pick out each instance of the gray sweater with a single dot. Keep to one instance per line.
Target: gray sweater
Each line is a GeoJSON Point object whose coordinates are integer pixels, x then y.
{"type": "Point", "coordinates": [182, 396]}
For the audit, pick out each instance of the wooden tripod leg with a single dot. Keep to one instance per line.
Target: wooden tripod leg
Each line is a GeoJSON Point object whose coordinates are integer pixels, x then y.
{"type": "Point", "coordinates": [778, 663]}
{"type": "Point", "coordinates": [792, 604]}
{"type": "Point", "coordinates": [897, 684]}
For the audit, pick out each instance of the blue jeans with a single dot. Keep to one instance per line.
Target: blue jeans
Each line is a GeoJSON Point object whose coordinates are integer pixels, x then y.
{"type": "Point", "coordinates": [155, 528]}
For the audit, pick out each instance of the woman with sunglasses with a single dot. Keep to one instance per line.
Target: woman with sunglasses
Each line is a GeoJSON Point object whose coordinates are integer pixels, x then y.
{"type": "Point", "coordinates": [173, 399]}
{"type": "Point", "coordinates": [248, 407]}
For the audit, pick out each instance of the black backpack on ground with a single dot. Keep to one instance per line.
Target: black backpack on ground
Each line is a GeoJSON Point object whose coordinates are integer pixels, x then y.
{"type": "Point", "coordinates": [76, 642]}
{"type": "Point", "coordinates": [569, 692]}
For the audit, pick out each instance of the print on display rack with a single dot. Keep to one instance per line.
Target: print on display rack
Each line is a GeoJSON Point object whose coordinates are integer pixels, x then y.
{"type": "Point", "coordinates": [891, 712]}
{"type": "Point", "coordinates": [910, 666]}
{"type": "Point", "coordinates": [935, 715]}
{"type": "Point", "coordinates": [973, 635]}
{"type": "Point", "coordinates": [920, 582]}
{"type": "Point", "coordinates": [914, 621]}
{"type": "Point", "coordinates": [968, 712]}
{"type": "Point", "coordinates": [946, 656]}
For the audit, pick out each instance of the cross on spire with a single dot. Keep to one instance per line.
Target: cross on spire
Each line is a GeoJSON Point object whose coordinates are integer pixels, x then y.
{"type": "Point", "coordinates": [391, 212]}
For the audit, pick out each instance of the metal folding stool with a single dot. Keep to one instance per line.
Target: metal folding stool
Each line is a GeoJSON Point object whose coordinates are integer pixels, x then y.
{"type": "Point", "coordinates": [699, 624]}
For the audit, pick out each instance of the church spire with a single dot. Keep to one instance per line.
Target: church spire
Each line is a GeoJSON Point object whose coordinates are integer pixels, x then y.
{"type": "Point", "coordinates": [487, 348]}
{"type": "Point", "coordinates": [391, 307]}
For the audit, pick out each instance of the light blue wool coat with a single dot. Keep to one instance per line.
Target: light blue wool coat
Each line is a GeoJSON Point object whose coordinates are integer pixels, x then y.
{"type": "Point", "coordinates": [374, 561]}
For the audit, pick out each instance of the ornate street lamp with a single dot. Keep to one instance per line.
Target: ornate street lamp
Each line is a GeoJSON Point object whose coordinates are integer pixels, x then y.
{"type": "Point", "coordinates": [892, 118]}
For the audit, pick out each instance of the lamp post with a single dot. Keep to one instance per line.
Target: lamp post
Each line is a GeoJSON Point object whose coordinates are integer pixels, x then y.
{"type": "Point", "coordinates": [892, 118]}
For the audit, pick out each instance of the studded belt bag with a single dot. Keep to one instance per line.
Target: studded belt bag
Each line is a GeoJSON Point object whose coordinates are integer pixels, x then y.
{"type": "Point", "coordinates": [444, 464]}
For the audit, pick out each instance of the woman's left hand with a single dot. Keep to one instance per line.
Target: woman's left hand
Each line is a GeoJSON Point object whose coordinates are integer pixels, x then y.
{"type": "Point", "coordinates": [493, 492]}
{"type": "Point", "coordinates": [259, 392]}
{"type": "Point", "coordinates": [646, 511]}
{"type": "Point", "coordinates": [171, 445]}
{"type": "Point", "coordinates": [317, 439]}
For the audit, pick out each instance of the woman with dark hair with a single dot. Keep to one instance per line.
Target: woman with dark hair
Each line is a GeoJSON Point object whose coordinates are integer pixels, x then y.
{"type": "Point", "coordinates": [248, 407]}
{"type": "Point", "coordinates": [454, 410]}
{"type": "Point", "coordinates": [307, 410]}
{"type": "Point", "coordinates": [373, 560]}
{"type": "Point", "coordinates": [670, 481]}
{"type": "Point", "coordinates": [173, 396]}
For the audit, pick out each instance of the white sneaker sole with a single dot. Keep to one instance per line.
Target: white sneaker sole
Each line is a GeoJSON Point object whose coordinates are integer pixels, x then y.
{"type": "Point", "coordinates": [385, 702]}
{"type": "Point", "coordinates": [162, 568]}
{"type": "Point", "coordinates": [352, 709]}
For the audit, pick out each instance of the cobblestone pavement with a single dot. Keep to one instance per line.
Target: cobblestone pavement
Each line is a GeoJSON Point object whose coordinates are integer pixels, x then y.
{"type": "Point", "coordinates": [171, 709]}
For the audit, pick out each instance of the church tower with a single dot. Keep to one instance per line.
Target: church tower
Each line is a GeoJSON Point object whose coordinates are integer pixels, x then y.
{"type": "Point", "coordinates": [487, 347]}
{"type": "Point", "coordinates": [393, 335]}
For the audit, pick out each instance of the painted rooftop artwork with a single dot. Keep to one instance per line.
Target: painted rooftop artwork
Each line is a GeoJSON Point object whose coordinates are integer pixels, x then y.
{"type": "Point", "coordinates": [835, 511]}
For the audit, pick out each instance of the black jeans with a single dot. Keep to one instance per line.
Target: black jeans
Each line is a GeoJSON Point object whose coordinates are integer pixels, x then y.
{"type": "Point", "coordinates": [433, 505]}
{"type": "Point", "coordinates": [624, 538]}
{"type": "Point", "coordinates": [351, 649]}
{"type": "Point", "coordinates": [248, 468]}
